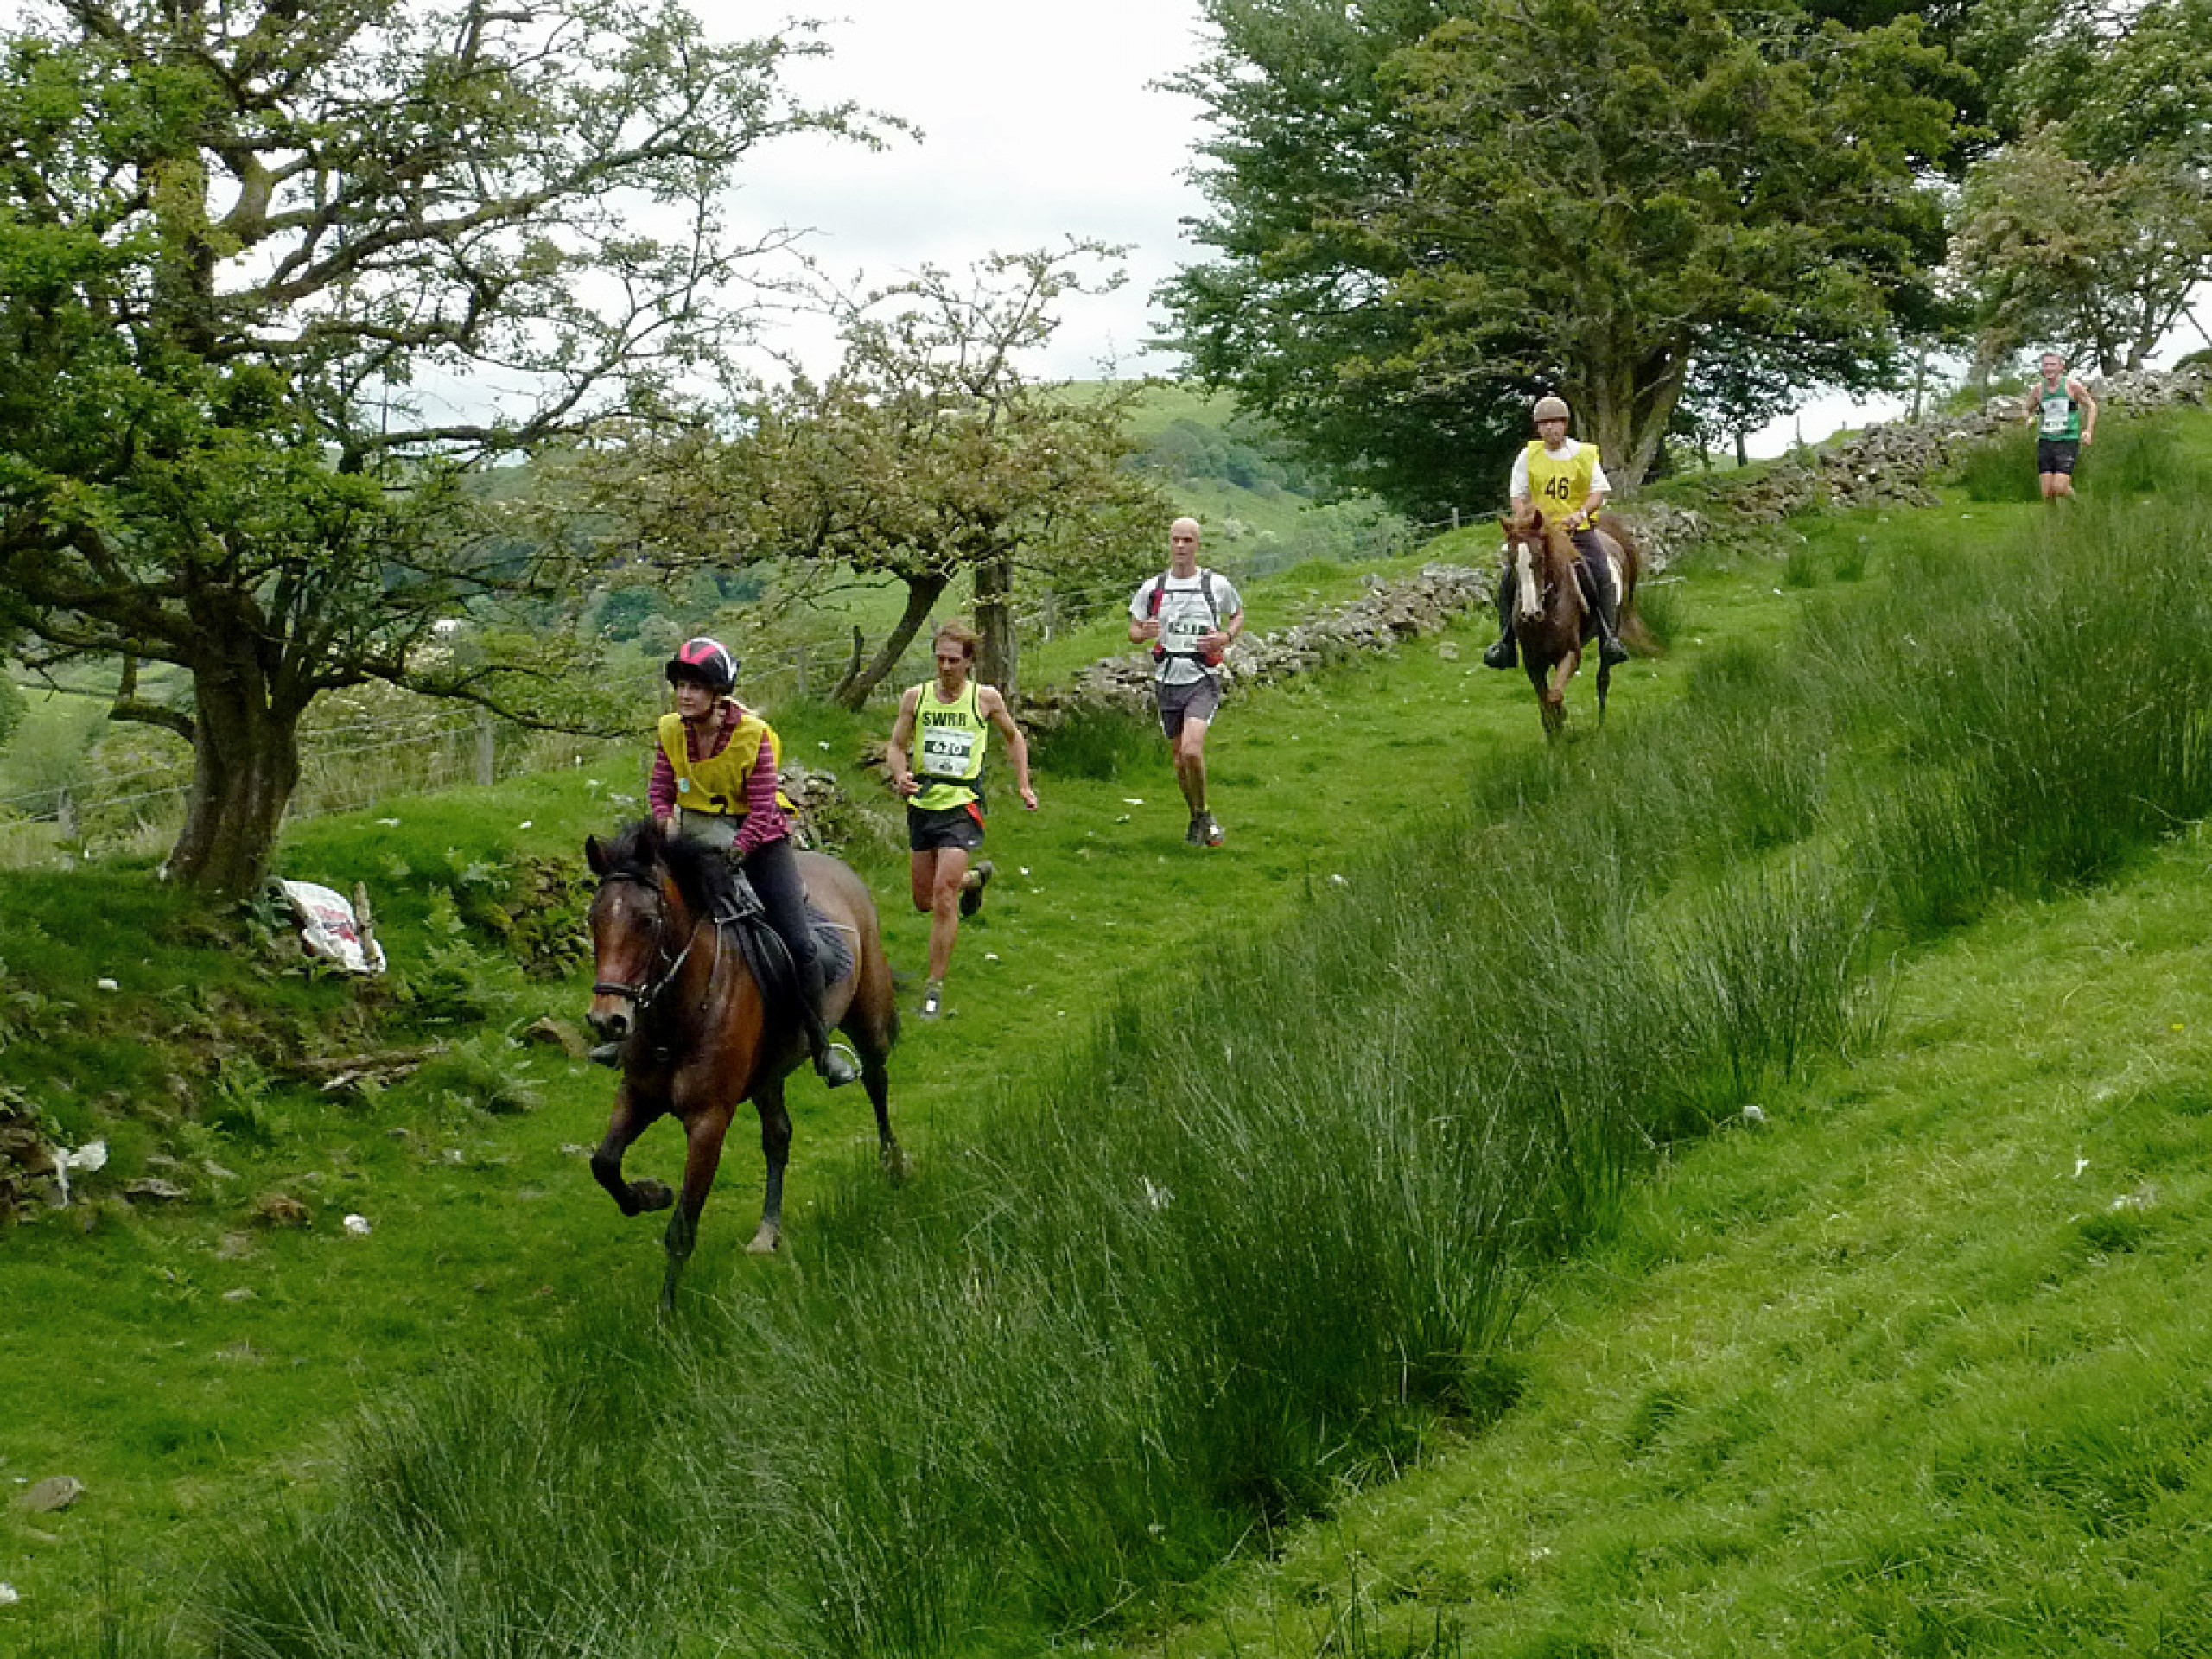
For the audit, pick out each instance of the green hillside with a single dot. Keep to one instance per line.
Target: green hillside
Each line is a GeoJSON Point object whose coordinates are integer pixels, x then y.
{"type": "Point", "coordinates": [1228, 472]}
{"type": "Point", "coordinates": [1404, 1137]}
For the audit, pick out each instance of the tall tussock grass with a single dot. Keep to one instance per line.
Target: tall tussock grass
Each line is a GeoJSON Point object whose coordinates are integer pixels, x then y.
{"type": "Point", "coordinates": [1269, 1226]}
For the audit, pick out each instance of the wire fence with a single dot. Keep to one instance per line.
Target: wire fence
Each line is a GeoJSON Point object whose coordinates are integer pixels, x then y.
{"type": "Point", "coordinates": [343, 768]}
{"type": "Point", "coordinates": [352, 765]}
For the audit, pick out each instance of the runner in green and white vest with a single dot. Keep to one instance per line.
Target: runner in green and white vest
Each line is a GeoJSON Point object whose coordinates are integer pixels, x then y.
{"type": "Point", "coordinates": [938, 745]}
{"type": "Point", "coordinates": [2064, 417]}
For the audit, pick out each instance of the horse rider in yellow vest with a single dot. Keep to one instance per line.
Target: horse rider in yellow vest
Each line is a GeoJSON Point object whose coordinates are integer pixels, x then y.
{"type": "Point", "coordinates": [715, 780]}
{"type": "Point", "coordinates": [1566, 479]}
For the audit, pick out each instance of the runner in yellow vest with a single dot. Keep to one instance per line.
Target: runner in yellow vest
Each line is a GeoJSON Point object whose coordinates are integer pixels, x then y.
{"type": "Point", "coordinates": [1567, 481]}
{"type": "Point", "coordinates": [714, 779]}
{"type": "Point", "coordinates": [937, 762]}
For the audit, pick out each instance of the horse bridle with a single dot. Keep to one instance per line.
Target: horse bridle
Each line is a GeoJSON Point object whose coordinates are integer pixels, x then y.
{"type": "Point", "coordinates": [643, 995]}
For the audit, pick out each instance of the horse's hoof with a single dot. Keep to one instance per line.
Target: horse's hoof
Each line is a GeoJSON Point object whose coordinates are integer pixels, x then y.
{"type": "Point", "coordinates": [651, 1195]}
{"type": "Point", "coordinates": [765, 1241]}
{"type": "Point", "coordinates": [895, 1164]}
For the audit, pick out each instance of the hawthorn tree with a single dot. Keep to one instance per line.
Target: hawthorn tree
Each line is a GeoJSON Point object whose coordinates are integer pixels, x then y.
{"type": "Point", "coordinates": [930, 455]}
{"type": "Point", "coordinates": [275, 277]}
{"type": "Point", "coordinates": [2091, 231]}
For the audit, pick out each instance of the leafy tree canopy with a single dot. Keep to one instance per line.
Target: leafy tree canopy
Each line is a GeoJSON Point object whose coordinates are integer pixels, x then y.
{"type": "Point", "coordinates": [2090, 233]}
{"type": "Point", "coordinates": [273, 276]}
{"type": "Point", "coordinates": [1588, 196]}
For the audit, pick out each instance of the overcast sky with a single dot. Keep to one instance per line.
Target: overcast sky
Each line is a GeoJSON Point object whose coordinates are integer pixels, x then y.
{"type": "Point", "coordinates": [1038, 122]}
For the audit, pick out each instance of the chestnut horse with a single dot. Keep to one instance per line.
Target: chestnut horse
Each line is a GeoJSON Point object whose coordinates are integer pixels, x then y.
{"type": "Point", "coordinates": [1551, 620]}
{"type": "Point", "coordinates": [675, 933]}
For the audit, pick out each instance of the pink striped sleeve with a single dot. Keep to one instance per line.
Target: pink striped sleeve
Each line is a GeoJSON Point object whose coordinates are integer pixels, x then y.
{"type": "Point", "coordinates": [764, 820]}
{"type": "Point", "coordinates": [660, 787]}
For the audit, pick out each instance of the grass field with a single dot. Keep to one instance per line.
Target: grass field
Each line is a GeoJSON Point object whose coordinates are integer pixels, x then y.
{"type": "Point", "coordinates": [205, 1403]}
{"type": "Point", "coordinates": [1915, 1365]}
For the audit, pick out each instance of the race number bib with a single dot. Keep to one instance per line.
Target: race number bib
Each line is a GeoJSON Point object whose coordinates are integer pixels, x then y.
{"type": "Point", "coordinates": [948, 750]}
{"type": "Point", "coordinates": [1180, 629]}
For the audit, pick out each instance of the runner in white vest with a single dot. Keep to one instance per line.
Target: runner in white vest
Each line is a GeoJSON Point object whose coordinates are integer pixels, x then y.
{"type": "Point", "coordinates": [1190, 617]}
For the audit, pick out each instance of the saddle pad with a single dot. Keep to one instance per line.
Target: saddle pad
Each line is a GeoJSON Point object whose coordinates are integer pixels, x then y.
{"type": "Point", "coordinates": [833, 944]}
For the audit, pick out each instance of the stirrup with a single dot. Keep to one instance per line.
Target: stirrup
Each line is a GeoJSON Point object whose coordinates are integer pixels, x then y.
{"type": "Point", "coordinates": [606, 1054]}
{"type": "Point", "coordinates": [1612, 652]}
{"type": "Point", "coordinates": [837, 1065]}
{"type": "Point", "coordinates": [1505, 653]}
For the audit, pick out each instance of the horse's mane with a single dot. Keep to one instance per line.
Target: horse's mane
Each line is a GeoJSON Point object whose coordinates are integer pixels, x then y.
{"type": "Point", "coordinates": [1540, 530]}
{"type": "Point", "coordinates": [704, 875]}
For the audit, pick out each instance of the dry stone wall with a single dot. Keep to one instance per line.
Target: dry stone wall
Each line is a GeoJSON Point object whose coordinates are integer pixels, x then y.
{"type": "Point", "coordinates": [1383, 618]}
{"type": "Point", "coordinates": [1890, 465]}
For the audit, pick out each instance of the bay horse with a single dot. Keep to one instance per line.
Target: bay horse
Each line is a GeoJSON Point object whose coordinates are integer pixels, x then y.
{"type": "Point", "coordinates": [678, 973]}
{"type": "Point", "coordinates": [1551, 620]}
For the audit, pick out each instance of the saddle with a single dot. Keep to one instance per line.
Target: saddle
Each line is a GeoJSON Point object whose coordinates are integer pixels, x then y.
{"type": "Point", "coordinates": [745, 920]}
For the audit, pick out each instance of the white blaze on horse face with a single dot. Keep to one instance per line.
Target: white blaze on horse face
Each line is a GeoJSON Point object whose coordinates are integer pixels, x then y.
{"type": "Point", "coordinates": [1528, 599]}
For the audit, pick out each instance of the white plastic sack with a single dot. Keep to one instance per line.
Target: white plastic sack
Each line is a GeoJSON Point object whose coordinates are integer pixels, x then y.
{"type": "Point", "coordinates": [328, 929]}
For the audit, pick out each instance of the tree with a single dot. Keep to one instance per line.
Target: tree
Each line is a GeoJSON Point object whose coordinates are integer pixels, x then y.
{"type": "Point", "coordinates": [264, 269]}
{"type": "Point", "coordinates": [928, 455]}
{"type": "Point", "coordinates": [2098, 262]}
{"type": "Point", "coordinates": [1681, 182]}
{"type": "Point", "coordinates": [1299, 316]}
{"type": "Point", "coordinates": [2091, 231]}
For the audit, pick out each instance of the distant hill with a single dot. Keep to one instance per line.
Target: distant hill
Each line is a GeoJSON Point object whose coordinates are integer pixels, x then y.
{"type": "Point", "coordinates": [1224, 468]}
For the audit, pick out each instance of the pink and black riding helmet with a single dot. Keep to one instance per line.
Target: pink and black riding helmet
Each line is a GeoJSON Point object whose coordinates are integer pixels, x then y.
{"type": "Point", "coordinates": [708, 661]}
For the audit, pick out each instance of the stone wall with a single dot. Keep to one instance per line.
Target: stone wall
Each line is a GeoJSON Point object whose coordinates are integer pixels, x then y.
{"type": "Point", "coordinates": [1890, 465]}
{"type": "Point", "coordinates": [1382, 618]}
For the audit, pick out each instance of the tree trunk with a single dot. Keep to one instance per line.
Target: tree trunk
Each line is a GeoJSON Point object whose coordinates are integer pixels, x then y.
{"type": "Point", "coordinates": [245, 765]}
{"type": "Point", "coordinates": [998, 658]}
{"type": "Point", "coordinates": [922, 591]}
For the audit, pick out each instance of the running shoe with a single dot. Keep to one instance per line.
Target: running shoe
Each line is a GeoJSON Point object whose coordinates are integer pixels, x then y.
{"type": "Point", "coordinates": [971, 898]}
{"type": "Point", "coordinates": [932, 1001]}
{"type": "Point", "coordinates": [1214, 836]}
{"type": "Point", "coordinates": [1196, 835]}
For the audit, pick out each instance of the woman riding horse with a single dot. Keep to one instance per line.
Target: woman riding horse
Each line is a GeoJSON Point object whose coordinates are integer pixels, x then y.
{"type": "Point", "coordinates": [687, 986]}
{"type": "Point", "coordinates": [714, 779]}
{"type": "Point", "coordinates": [1552, 614]}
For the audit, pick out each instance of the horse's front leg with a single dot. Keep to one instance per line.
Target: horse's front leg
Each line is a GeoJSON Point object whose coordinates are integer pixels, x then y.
{"type": "Point", "coordinates": [1605, 682]}
{"type": "Point", "coordinates": [703, 1154]}
{"type": "Point", "coordinates": [1562, 671]}
{"type": "Point", "coordinates": [776, 1151]}
{"type": "Point", "coordinates": [623, 1126]}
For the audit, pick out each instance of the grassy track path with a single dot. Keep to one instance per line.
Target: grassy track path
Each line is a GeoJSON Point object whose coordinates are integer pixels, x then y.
{"type": "Point", "coordinates": [186, 1365]}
